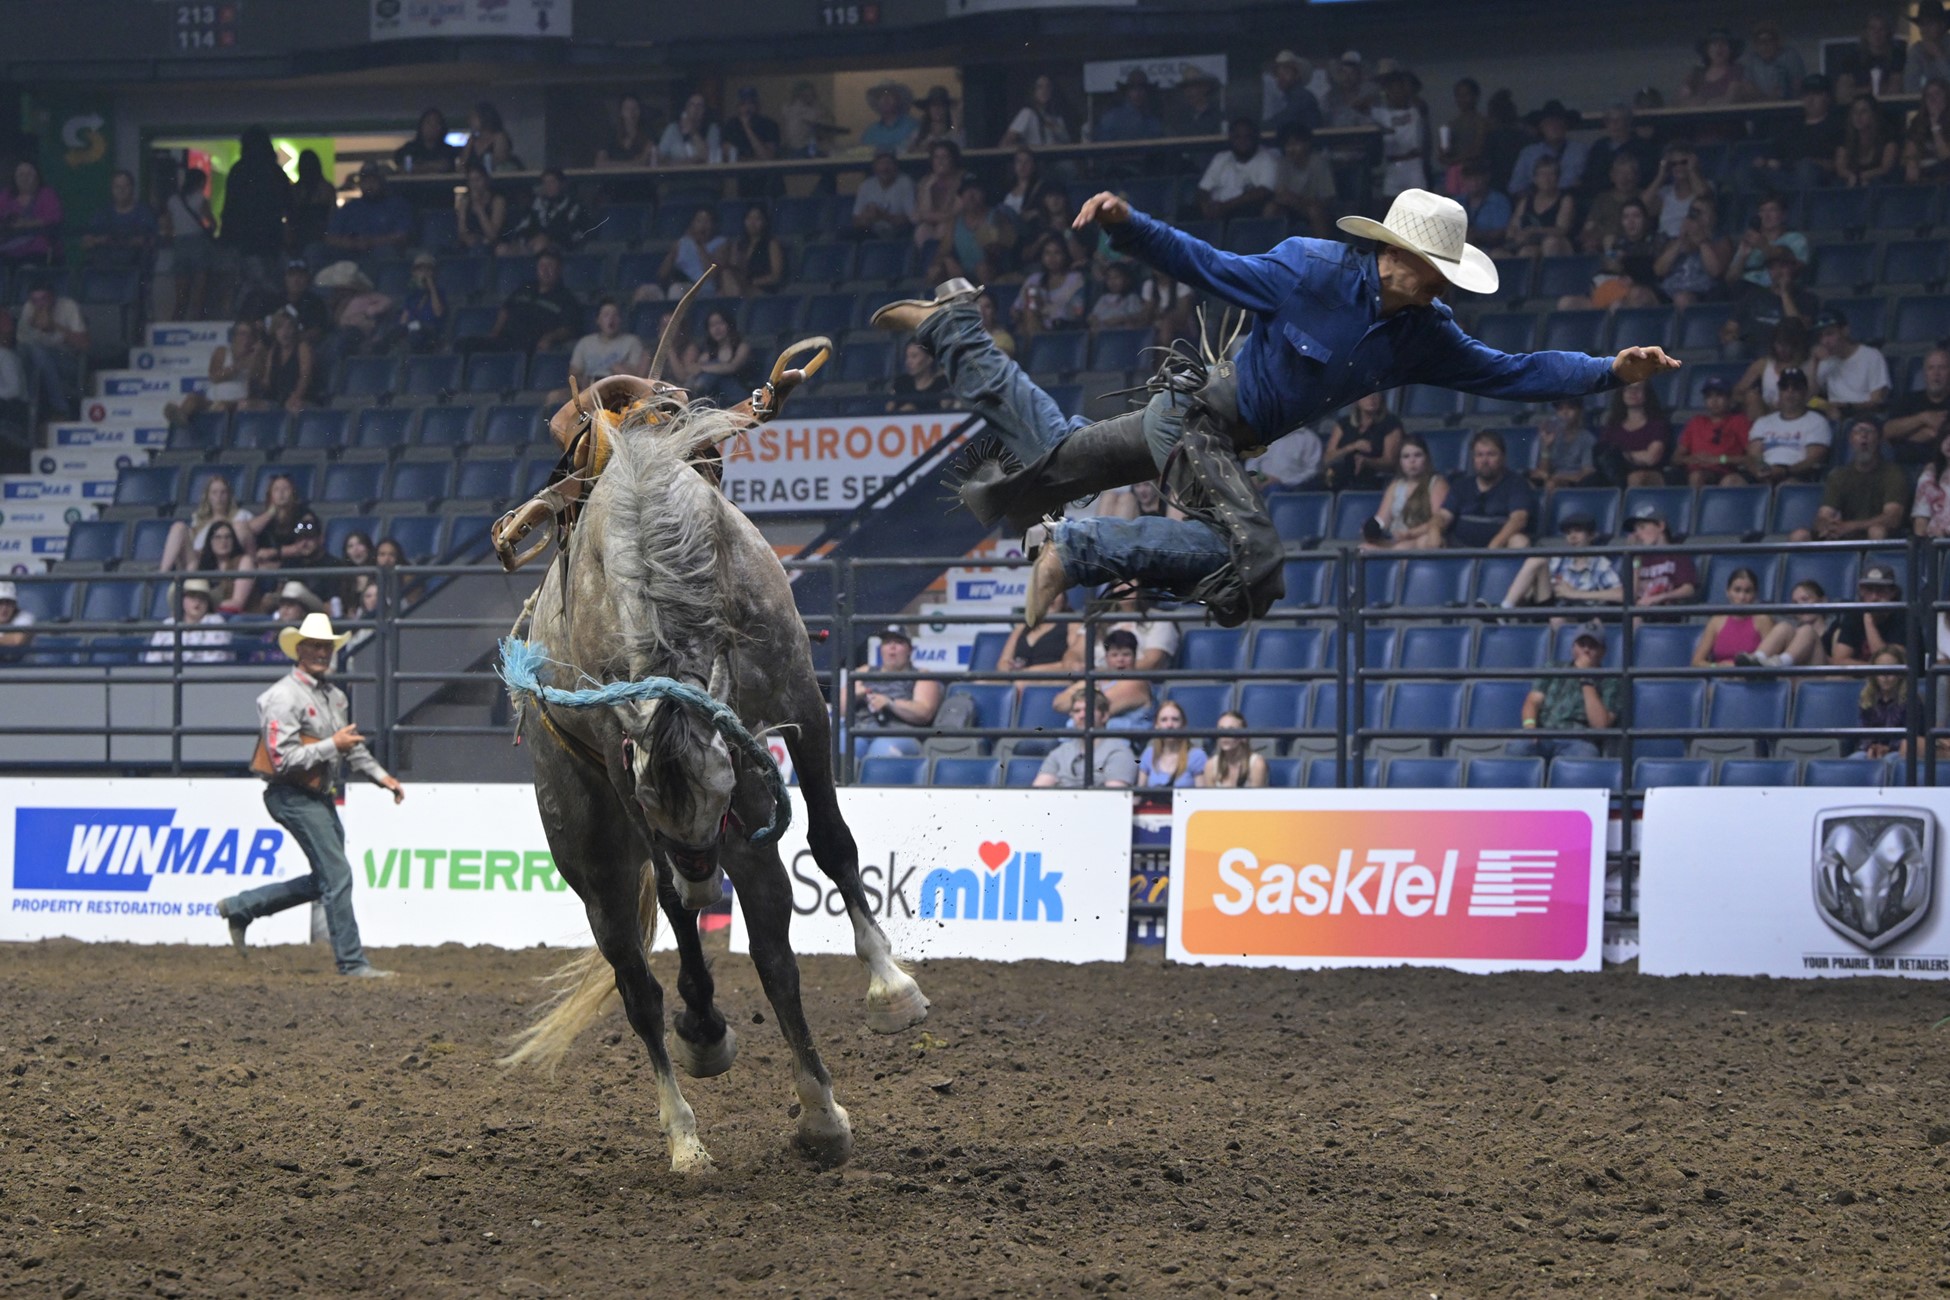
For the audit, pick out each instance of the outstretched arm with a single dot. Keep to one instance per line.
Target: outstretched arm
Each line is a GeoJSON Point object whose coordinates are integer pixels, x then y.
{"type": "Point", "coordinates": [1259, 283]}
{"type": "Point", "coordinates": [1459, 361]}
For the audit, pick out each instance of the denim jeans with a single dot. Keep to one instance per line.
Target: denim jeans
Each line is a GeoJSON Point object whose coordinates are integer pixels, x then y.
{"type": "Point", "coordinates": [313, 822]}
{"type": "Point", "coordinates": [1172, 555]}
{"type": "Point", "coordinates": [1550, 747]}
{"type": "Point", "coordinates": [1026, 418]}
{"type": "Point", "coordinates": [56, 374]}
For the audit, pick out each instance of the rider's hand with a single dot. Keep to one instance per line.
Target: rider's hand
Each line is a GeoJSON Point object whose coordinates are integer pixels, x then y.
{"type": "Point", "coordinates": [346, 737]}
{"type": "Point", "coordinates": [1636, 365]}
{"type": "Point", "coordinates": [392, 783]}
{"type": "Point", "coordinates": [1105, 207]}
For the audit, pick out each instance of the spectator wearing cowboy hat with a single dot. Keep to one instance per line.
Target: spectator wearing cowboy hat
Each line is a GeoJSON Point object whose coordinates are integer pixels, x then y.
{"type": "Point", "coordinates": [1857, 636]}
{"type": "Point", "coordinates": [937, 122]}
{"type": "Point", "coordinates": [294, 601]}
{"type": "Point", "coordinates": [1197, 110]}
{"type": "Point", "coordinates": [1718, 79]}
{"type": "Point", "coordinates": [1554, 141]}
{"type": "Point", "coordinates": [304, 731]}
{"type": "Point", "coordinates": [1297, 105]}
{"type": "Point", "coordinates": [895, 124]}
{"type": "Point", "coordinates": [1134, 117]}
{"type": "Point", "coordinates": [167, 645]}
{"type": "Point", "coordinates": [377, 219]}
{"type": "Point", "coordinates": [1865, 498]}
{"type": "Point", "coordinates": [1853, 376]}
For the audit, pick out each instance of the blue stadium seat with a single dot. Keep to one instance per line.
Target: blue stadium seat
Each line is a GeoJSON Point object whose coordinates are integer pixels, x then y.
{"type": "Point", "coordinates": [620, 223]}
{"type": "Point", "coordinates": [1835, 209]}
{"type": "Point", "coordinates": [1664, 645]}
{"type": "Point", "coordinates": [367, 377]}
{"type": "Point", "coordinates": [1843, 771]}
{"type": "Point", "coordinates": [351, 483]}
{"type": "Point", "coordinates": [995, 702]}
{"type": "Point", "coordinates": [340, 527]}
{"type": "Point", "coordinates": [472, 322]}
{"type": "Point", "coordinates": [48, 602]}
{"type": "Point", "coordinates": [1921, 320]}
{"type": "Point", "coordinates": [147, 537]}
{"type": "Point", "coordinates": [770, 315]}
{"type": "Point", "coordinates": [421, 480]}
{"type": "Point", "coordinates": [830, 314]}
{"type": "Point", "coordinates": [1867, 317]}
{"type": "Point", "coordinates": [1351, 511]}
{"type": "Point", "coordinates": [1914, 261]}
{"type": "Point", "coordinates": [508, 274]}
{"type": "Point", "coordinates": [881, 261]}
{"type": "Point", "coordinates": [467, 537]}
{"type": "Point", "coordinates": [1322, 773]}
{"type": "Point", "coordinates": [1794, 507]}
{"type": "Point", "coordinates": [1741, 706]}
{"type": "Point", "coordinates": [485, 480]}
{"type": "Point", "coordinates": [1909, 208]}
{"type": "Point", "coordinates": [443, 426]}
{"type": "Point", "coordinates": [1423, 774]}
{"type": "Point", "coordinates": [1559, 276]}
{"type": "Point", "coordinates": [1835, 572]}
{"type": "Point", "coordinates": [299, 474]}
{"type": "Point", "coordinates": [95, 541]}
{"type": "Point", "coordinates": [1510, 332]}
{"type": "Point", "coordinates": [867, 362]}
{"type": "Point", "coordinates": [1717, 569]}
{"type": "Point", "coordinates": [1381, 579]}
{"type": "Point", "coordinates": [1676, 503]}
{"type": "Point", "coordinates": [317, 430]}
{"type": "Point", "coordinates": [1649, 773]}
{"type": "Point", "coordinates": [1659, 705]}
{"type": "Point", "coordinates": [1496, 705]}
{"type": "Point", "coordinates": [826, 263]}
{"type": "Point", "coordinates": [1416, 708]}
{"type": "Point", "coordinates": [585, 275]}
{"type": "Point", "coordinates": [886, 770]}
{"type": "Point", "coordinates": [1826, 706]}
{"type": "Point", "coordinates": [548, 371]}
{"type": "Point", "coordinates": [1119, 349]}
{"type": "Point", "coordinates": [952, 771]}
{"type": "Point", "coordinates": [1732, 512]}
{"type": "Point", "coordinates": [257, 430]}
{"type": "Point", "coordinates": [1574, 331]}
{"type": "Point", "coordinates": [1377, 648]}
{"type": "Point", "coordinates": [1494, 574]}
{"type": "Point", "coordinates": [1290, 649]}
{"type": "Point", "coordinates": [108, 600]}
{"type": "Point", "coordinates": [1036, 707]}
{"type": "Point", "coordinates": [1057, 352]}
{"type": "Point", "coordinates": [493, 372]}
{"type": "Point", "coordinates": [1022, 771]}
{"type": "Point", "coordinates": [1699, 327]}
{"type": "Point", "coordinates": [235, 475]}
{"type": "Point", "coordinates": [382, 428]}
{"type": "Point", "coordinates": [206, 431]}
{"type": "Point", "coordinates": [1250, 235]}
{"type": "Point", "coordinates": [418, 535]}
{"type": "Point", "coordinates": [986, 651]}
{"type": "Point", "coordinates": [1325, 715]}
{"type": "Point", "coordinates": [1309, 583]}
{"type": "Point", "coordinates": [1586, 774]}
{"type": "Point", "coordinates": [1275, 706]}
{"type": "Point", "coordinates": [1300, 516]}
{"type": "Point", "coordinates": [1283, 773]}
{"type": "Point", "coordinates": [1759, 771]}
{"type": "Point", "coordinates": [434, 375]}
{"type": "Point", "coordinates": [532, 477]}
{"type": "Point", "coordinates": [459, 278]}
{"type": "Point", "coordinates": [1202, 702]}
{"type": "Point", "coordinates": [147, 485]}
{"type": "Point", "coordinates": [1428, 648]}
{"type": "Point", "coordinates": [108, 286]}
{"type": "Point", "coordinates": [1212, 650]}
{"type": "Point", "coordinates": [1640, 327]}
{"type": "Point", "coordinates": [1600, 503]}
{"type": "Point", "coordinates": [514, 426]}
{"type": "Point", "coordinates": [1435, 582]}
{"type": "Point", "coordinates": [1515, 646]}
{"type": "Point", "coordinates": [1504, 774]}
{"type": "Point", "coordinates": [1844, 267]}
{"type": "Point", "coordinates": [1428, 402]}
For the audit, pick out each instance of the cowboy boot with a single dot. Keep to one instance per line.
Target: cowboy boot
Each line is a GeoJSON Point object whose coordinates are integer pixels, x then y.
{"type": "Point", "coordinates": [1046, 580]}
{"type": "Point", "coordinates": [905, 315]}
{"type": "Point", "coordinates": [1109, 454]}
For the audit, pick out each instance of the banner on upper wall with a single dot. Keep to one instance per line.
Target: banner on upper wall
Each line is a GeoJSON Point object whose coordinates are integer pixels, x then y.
{"type": "Point", "coordinates": [1105, 75]}
{"type": "Point", "coordinates": [1475, 880]}
{"type": "Point", "coordinates": [147, 861]}
{"type": "Point", "coordinates": [995, 874]}
{"type": "Point", "coordinates": [813, 466]}
{"type": "Point", "coordinates": [399, 20]}
{"type": "Point", "coordinates": [1794, 882]}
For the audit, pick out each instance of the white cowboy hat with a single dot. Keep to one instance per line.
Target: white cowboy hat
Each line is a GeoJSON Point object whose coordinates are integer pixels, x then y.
{"type": "Point", "coordinates": [303, 595]}
{"type": "Point", "coordinates": [1435, 229]}
{"type": "Point", "coordinates": [194, 587]}
{"type": "Point", "coordinates": [316, 627]}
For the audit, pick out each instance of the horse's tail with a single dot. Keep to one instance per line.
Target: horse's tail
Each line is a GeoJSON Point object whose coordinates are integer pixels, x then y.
{"type": "Point", "coordinates": [584, 985]}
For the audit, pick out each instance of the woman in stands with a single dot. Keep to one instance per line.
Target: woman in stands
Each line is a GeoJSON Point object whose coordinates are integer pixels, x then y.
{"type": "Point", "coordinates": [313, 199]}
{"type": "Point", "coordinates": [1544, 218]}
{"type": "Point", "coordinates": [217, 505]}
{"type": "Point", "coordinates": [1024, 198]}
{"type": "Point", "coordinates": [1691, 265]}
{"type": "Point", "coordinates": [1052, 295]}
{"type": "Point", "coordinates": [1119, 306]}
{"type": "Point", "coordinates": [1636, 439]}
{"type": "Point", "coordinates": [231, 366]}
{"type": "Point", "coordinates": [389, 554]}
{"type": "Point", "coordinates": [287, 371]}
{"type": "Point", "coordinates": [274, 530]}
{"type": "Point", "coordinates": [1171, 762]}
{"type": "Point", "coordinates": [937, 198]}
{"type": "Point", "coordinates": [226, 551]}
{"type": "Point", "coordinates": [1728, 636]}
{"type": "Point", "coordinates": [352, 590]}
{"type": "Point", "coordinates": [1759, 389]}
{"type": "Point", "coordinates": [480, 214]}
{"type": "Point", "coordinates": [755, 262]}
{"type": "Point", "coordinates": [1884, 703]}
{"type": "Point", "coordinates": [629, 145]}
{"type": "Point", "coordinates": [722, 364]}
{"type": "Point", "coordinates": [488, 141]}
{"type": "Point", "coordinates": [428, 150]}
{"type": "Point", "coordinates": [1045, 650]}
{"type": "Point", "coordinates": [922, 385]}
{"type": "Point", "coordinates": [1406, 520]}
{"type": "Point", "coordinates": [1233, 764]}
{"type": "Point", "coordinates": [1797, 641]}
{"type": "Point", "coordinates": [1926, 145]}
{"type": "Point", "coordinates": [1868, 153]}
{"type": "Point", "coordinates": [1039, 122]}
{"type": "Point", "coordinates": [692, 138]}
{"type": "Point", "coordinates": [1930, 513]}
{"type": "Point", "coordinates": [1364, 447]}
{"type": "Point", "coordinates": [937, 122]}
{"type": "Point", "coordinates": [30, 217]}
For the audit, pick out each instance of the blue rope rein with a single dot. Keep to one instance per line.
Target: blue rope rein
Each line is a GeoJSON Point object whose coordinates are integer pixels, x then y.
{"type": "Point", "coordinates": [520, 670]}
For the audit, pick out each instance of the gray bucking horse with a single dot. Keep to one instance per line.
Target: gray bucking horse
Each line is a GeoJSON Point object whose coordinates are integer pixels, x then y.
{"type": "Point", "coordinates": [644, 801]}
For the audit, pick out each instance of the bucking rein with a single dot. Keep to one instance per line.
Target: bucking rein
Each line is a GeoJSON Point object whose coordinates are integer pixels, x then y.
{"type": "Point", "coordinates": [584, 428]}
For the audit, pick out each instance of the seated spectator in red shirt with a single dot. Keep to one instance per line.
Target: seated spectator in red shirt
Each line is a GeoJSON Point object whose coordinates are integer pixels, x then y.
{"type": "Point", "coordinates": [1659, 579]}
{"type": "Point", "coordinates": [1713, 446]}
{"type": "Point", "coordinates": [1636, 437]}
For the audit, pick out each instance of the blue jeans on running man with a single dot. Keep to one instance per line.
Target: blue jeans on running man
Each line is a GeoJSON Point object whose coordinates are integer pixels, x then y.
{"type": "Point", "coordinates": [313, 821]}
{"type": "Point", "coordinates": [1175, 554]}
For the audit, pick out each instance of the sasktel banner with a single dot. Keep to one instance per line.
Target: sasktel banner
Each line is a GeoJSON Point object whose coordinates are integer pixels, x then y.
{"type": "Point", "coordinates": [1810, 883]}
{"type": "Point", "coordinates": [147, 861]}
{"type": "Point", "coordinates": [1001, 875]}
{"type": "Point", "coordinates": [807, 466]}
{"type": "Point", "coordinates": [1479, 880]}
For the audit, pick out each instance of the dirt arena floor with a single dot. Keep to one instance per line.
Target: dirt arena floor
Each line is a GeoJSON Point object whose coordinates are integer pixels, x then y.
{"type": "Point", "coordinates": [175, 1122]}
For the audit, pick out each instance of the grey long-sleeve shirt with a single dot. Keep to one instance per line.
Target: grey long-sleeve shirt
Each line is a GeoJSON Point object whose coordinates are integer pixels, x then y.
{"type": "Point", "coordinates": [300, 705]}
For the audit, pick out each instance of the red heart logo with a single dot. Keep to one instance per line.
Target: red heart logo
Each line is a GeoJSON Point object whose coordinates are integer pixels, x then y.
{"type": "Point", "coordinates": [994, 853]}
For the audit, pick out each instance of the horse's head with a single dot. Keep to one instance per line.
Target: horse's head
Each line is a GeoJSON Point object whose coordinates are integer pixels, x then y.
{"type": "Point", "coordinates": [682, 777]}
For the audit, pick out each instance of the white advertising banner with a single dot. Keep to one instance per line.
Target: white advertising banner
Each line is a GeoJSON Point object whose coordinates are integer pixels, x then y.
{"type": "Point", "coordinates": [30, 552]}
{"type": "Point", "coordinates": [147, 383]}
{"type": "Point", "coordinates": [808, 466]}
{"type": "Point", "coordinates": [1004, 875]}
{"type": "Point", "coordinates": [183, 359]}
{"type": "Point", "coordinates": [147, 861]}
{"type": "Point", "coordinates": [1105, 75]}
{"type": "Point", "coordinates": [126, 437]}
{"type": "Point", "coordinates": [43, 519]}
{"type": "Point", "coordinates": [204, 334]}
{"type": "Point", "coordinates": [399, 20]}
{"type": "Point", "coordinates": [142, 412]}
{"type": "Point", "coordinates": [94, 463]}
{"type": "Point", "coordinates": [1476, 880]}
{"type": "Point", "coordinates": [1807, 883]}
{"type": "Point", "coordinates": [17, 488]}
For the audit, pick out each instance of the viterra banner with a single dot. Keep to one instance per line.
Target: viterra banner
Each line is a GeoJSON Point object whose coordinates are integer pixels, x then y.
{"type": "Point", "coordinates": [806, 466]}
{"type": "Point", "coordinates": [1473, 880]}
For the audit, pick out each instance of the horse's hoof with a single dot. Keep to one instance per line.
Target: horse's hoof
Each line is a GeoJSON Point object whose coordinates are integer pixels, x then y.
{"type": "Point", "coordinates": [704, 1060]}
{"type": "Point", "coordinates": [896, 1007]}
{"type": "Point", "coordinates": [700, 894]}
{"type": "Point", "coordinates": [692, 1161]}
{"type": "Point", "coordinates": [827, 1138]}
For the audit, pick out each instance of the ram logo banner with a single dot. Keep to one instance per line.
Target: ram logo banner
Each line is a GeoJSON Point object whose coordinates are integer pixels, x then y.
{"type": "Point", "coordinates": [1875, 872]}
{"type": "Point", "coordinates": [1007, 875]}
{"type": "Point", "coordinates": [1388, 878]}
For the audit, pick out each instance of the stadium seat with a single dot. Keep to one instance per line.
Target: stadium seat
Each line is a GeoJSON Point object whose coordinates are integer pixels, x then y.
{"type": "Point", "coordinates": [830, 314]}
{"type": "Point", "coordinates": [147, 537]}
{"type": "Point", "coordinates": [826, 263]}
{"type": "Point", "coordinates": [1828, 706]}
{"type": "Point", "coordinates": [1322, 773]}
{"type": "Point", "coordinates": [317, 430]}
{"type": "Point", "coordinates": [1586, 774]}
{"type": "Point", "coordinates": [1428, 402]}
{"type": "Point", "coordinates": [870, 361]}
{"type": "Point", "coordinates": [891, 747]}
{"type": "Point", "coordinates": [1284, 773]}
{"type": "Point", "coordinates": [340, 527]}
{"type": "Point", "coordinates": [1351, 511]}
{"type": "Point", "coordinates": [1212, 650]}
{"type": "Point", "coordinates": [770, 315]}
{"type": "Point", "coordinates": [147, 485]}
{"type": "Point", "coordinates": [1835, 209]}
{"type": "Point", "coordinates": [418, 535]}
{"type": "Point", "coordinates": [1675, 503]}
{"type": "Point", "coordinates": [1844, 268]}
{"type": "Point", "coordinates": [1600, 503]}
{"type": "Point", "coordinates": [1905, 208]}
{"type": "Point", "coordinates": [995, 702]}
{"type": "Point", "coordinates": [1504, 774]}
{"type": "Point", "coordinates": [459, 278]}
{"type": "Point", "coordinates": [1916, 261]}
{"type": "Point", "coordinates": [1377, 647]}
{"type": "Point", "coordinates": [1759, 772]}
{"type": "Point", "coordinates": [1641, 327]}
{"type": "Point", "coordinates": [351, 483]}
{"type": "Point", "coordinates": [1867, 317]}
{"type": "Point", "coordinates": [1036, 707]}
{"type": "Point", "coordinates": [48, 602]}
{"type": "Point", "coordinates": [953, 771]}
{"type": "Point", "coordinates": [1561, 643]}
{"type": "Point", "coordinates": [299, 474]}
{"type": "Point", "coordinates": [434, 375]}
{"type": "Point", "coordinates": [1435, 582]}
{"type": "Point", "coordinates": [1666, 705]}
{"type": "Point", "coordinates": [1648, 773]}
{"type": "Point", "coordinates": [1119, 349]}
{"type": "Point", "coordinates": [95, 542]}
{"type": "Point", "coordinates": [1325, 715]}
{"type": "Point", "coordinates": [1558, 277]}
{"type": "Point", "coordinates": [1507, 333]}
{"type": "Point", "coordinates": [443, 426]}
{"type": "Point", "coordinates": [1427, 648]}
{"type": "Point", "coordinates": [492, 372]}
{"type": "Point", "coordinates": [1494, 574]}
{"type": "Point", "coordinates": [1416, 708]}
{"type": "Point", "coordinates": [1699, 327]}
{"type": "Point", "coordinates": [257, 430]}
{"type": "Point", "coordinates": [1843, 771]}
{"type": "Point", "coordinates": [1288, 649]}
{"type": "Point", "coordinates": [1423, 774]}
{"type": "Point", "coordinates": [485, 480]}
{"type": "Point", "coordinates": [1717, 569]}
{"type": "Point", "coordinates": [1496, 705]}
{"type": "Point", "coordinates": [1381, 579]}
{"type": "Point", "coordinates": [1300, 516]}
{"type": "Point", "coordinates": [421, 480]}
{"type": "Point", "coordinates": [1834, 571]}
{"type": "Point", "coordinates": [467, 537]}
{"type": "Point", "coordinates": [1021, 771]}
{"type": "Point", "coordinates": [548, 371]}
{"type": "Point", "coordinates": [886, 770]}
{"type": "Point", "coordinates": [1574, 331]}
{"type": "Point", "coordinates": [878, 261]}
{"type": "Point", "coordinates": [108, 600]}
{"type": "Point", "coordinates": [514, 426]}
{"type": "Point", "coordinates": [362, 378]}
{"type": "Point", "coordinates": [986, 651]}
{"type": "Point", "coordinates": [1275, 706]}
{"type": "Point", "coordinates": [1202, 703]}
{"type": "Point", "coordinates": [382, 428]}
{"type": "Point", "coordinates": [205, 432]}
{"type": "Point", "coordinates": [1693, 380]}
{"type": "Point", "coordinates": [1515, 646]}
{"type": "Point", "coordinates": [1664, 645]}
{"type": "Point", "coordinates": [1739, 512]}
{"type": "Point", "coordinates": [1309, 584]}
{"type": "Point", "coordinates": [1742, 706]}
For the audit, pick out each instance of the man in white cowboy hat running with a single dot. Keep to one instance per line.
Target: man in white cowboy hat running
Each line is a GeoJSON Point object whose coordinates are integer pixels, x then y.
{"type": "Point", "coordinates": [1330, 323]}
{"type": "Point", "coordinates": [303, 729]}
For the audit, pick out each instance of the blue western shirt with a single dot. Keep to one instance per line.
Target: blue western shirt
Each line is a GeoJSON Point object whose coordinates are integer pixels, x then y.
{"type": "Point", "coordinates": [1320, 341]}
